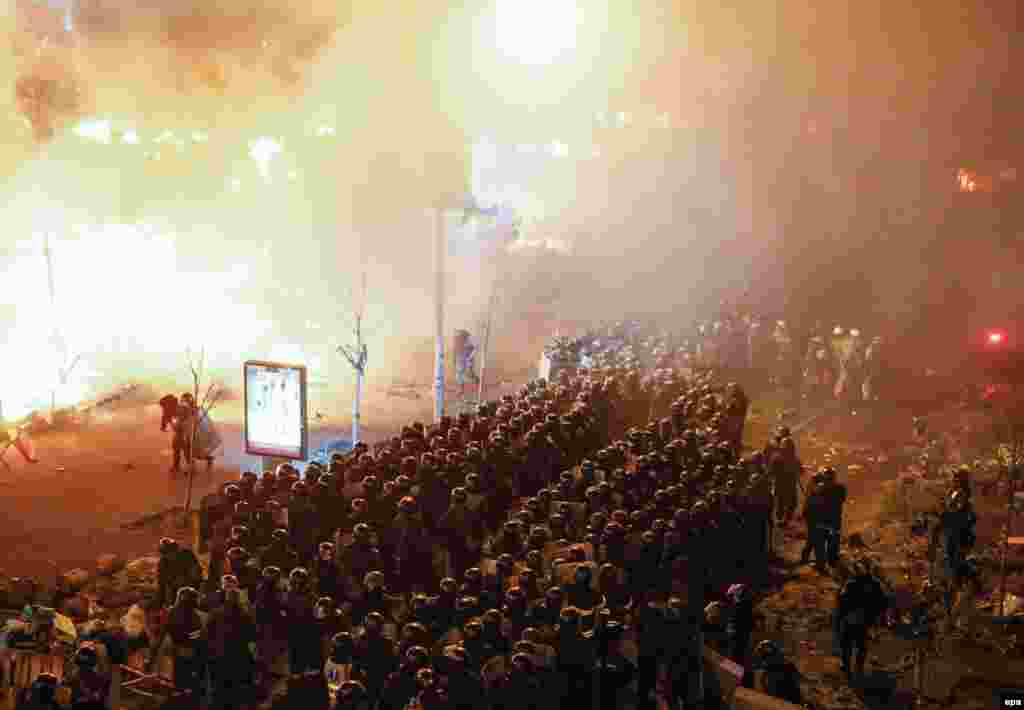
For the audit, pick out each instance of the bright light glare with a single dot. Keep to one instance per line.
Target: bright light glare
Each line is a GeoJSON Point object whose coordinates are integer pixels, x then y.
{"type": "Point", "coordinates": [995, 338]}
{"type": "Point", "coordinates": [536, 32]}
{"type": "Point", "coordinates": [98, 131]}
{"type": "Point", "coordinates": [29, 357]}
{"type": "Point", "coordinates": [263, 150]}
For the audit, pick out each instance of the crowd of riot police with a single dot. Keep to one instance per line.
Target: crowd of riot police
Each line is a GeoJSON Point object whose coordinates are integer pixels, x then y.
{"type": "Point", "coordinates": [507, 558]}
{"type": "Point", "coordinates": [559, 546]}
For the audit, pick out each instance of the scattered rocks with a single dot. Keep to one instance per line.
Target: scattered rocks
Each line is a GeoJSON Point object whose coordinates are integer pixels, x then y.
{"type": "Point", "coordinates": [109, 564]}
{"type": "Point", "coordinates": [76, 579]}
{"type": "Point", "coordinates": [130, 584]}
{"type": "Point", "coordinates": [143, 568]}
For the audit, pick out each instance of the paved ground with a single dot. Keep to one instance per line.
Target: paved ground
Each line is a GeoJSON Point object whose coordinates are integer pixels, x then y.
{"type": "Point", "coordinates": [66, 510]}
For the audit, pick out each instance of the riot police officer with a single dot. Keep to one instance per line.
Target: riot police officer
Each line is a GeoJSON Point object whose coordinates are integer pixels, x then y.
{"type": "Point", "coordinates": [279, 553]}
{"type": "Point", "coordinates": [185, 627]}
{"type": "Point", "coordinates": [304, 652]}
{"type": "Point", "coordinates": [774, 675]}
{"type": "Point", "coordinates": [814, 514]}
{"type": "Point", "coordinates": [90, 686]}
{"type": "Point", "coordinates": [860, 603]}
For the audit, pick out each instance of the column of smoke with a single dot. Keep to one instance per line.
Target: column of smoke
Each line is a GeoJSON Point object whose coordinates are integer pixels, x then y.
{"type": "Point", "coordinates": [166, 55]}
{"type": "Point", "coordinates": [640, 224]}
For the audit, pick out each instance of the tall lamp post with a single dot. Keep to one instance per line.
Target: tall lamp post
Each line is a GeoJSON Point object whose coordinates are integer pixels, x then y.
{"type": "Point", "coordinates": [440, 247]}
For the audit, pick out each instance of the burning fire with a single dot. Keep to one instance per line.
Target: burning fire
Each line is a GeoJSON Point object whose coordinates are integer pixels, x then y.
{"type": "Point", "coordinates": [966, 181]}
{"type": "Point", "coordinates": [112, 281]}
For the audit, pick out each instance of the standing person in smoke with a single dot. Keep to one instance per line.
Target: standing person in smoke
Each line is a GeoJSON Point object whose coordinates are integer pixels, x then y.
{"type": "Point", "coordinates": [168, 410]}
{"type": "Point", "coordinates": [184, 422]}
{"type": "Point", "coordinates": [465, 358]}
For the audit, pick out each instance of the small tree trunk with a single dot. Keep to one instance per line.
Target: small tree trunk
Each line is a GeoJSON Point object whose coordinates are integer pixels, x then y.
{"type": "Point", "coordinates": [481, 387]}
{"type": "Point", "coordinates": [192, 447]}
{"type": "Point", "coordinates": [191, 473]}
{"type": "Point", "coordinates": [357, 406]}
{"type": "Point", "coordinates": [440, 246]}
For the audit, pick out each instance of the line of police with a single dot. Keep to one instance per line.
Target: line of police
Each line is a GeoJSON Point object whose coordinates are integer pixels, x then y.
{"type": "Point", "coordinates": [643, 505]}
{"type": "Point", "coordinates": [602, 547]}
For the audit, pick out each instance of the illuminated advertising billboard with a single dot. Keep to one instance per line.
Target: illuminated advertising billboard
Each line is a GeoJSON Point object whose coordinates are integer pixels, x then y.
{"type": "Point", "coordinates": [275, 410]}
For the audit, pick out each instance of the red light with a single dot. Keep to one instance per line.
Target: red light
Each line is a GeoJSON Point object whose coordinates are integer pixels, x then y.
{"type": "Point", "coordinates": [996, 338]}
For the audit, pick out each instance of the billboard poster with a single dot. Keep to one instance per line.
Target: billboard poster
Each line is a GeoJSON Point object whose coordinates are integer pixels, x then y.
{"type": "Point", "coordinates": [275, 410]}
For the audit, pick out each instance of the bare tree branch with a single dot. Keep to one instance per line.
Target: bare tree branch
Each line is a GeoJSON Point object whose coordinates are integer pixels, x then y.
{"type": "Point", "coordinates": [65, 372]}
{"type": "Point", "coordinates": [214, 392]}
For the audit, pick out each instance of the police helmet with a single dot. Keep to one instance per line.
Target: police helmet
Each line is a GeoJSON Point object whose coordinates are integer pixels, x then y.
{"type": "Point", "coordinates": [87, 657]}
{"type": "Point", "coordinates": [767, 649]}
{"type": "Point", "coordinates": [374, 580]}
{"type": "Point", "coordinates": [299, 578]}
{"type": "Point", "coordinates": [342, 647]}
{"type": "Point", "coordinates": [188, 596]}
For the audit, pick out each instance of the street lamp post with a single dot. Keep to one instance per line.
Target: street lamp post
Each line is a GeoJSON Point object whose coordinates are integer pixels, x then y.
{"type": "Point", "coordinates": [440, 246]}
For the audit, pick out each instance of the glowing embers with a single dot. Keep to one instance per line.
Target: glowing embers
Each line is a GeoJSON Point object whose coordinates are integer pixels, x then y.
{"type": "Point", "coordinates": [966, 181]}
{"type": "Point", "coordinates": [996, 338]}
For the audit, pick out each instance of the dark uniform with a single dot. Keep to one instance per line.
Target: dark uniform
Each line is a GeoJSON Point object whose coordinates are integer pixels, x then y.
{"type": "Point", "coordinates": [304, 648]}
{"type": "Point", "coordinates": [184, 425]}
{"type": "Point", "coordinates": [464, 531]}
{"type": "Point", "coordinates": [835, 498]}
{"type": "Point", "coordinates": [168, 409]}
{"type": "Point", "coordinates": [860, 603]}
{"type": "Point", "coordinates": [814, 518]}
{"type": "Point", "coordinates": [185, 627]}
{"type": "Point", "coordinates": [178, 567]}
{"type": "Point", "coordinates": [774, 675]}
{"type": "Point", "coordinates": [229, 632]}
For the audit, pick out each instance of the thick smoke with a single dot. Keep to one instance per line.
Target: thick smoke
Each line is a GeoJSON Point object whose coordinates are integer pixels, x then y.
{"type": "Point", "coordinates": [152, 57]}
{"type": "Point", "coordinates": [639, 220]}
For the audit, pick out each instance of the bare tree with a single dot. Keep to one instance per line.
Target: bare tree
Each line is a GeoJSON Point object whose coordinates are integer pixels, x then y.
{"type": "Point", "coordinates": [64, 371]}
{"type": "Point", "coordinates": [357, 355]}
{"type": "Point", "coordinates": [67, 363]}
{"type": "Point", "coordinates": [197, 367]}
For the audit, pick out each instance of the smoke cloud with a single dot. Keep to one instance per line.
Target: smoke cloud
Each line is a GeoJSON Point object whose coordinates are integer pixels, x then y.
{"type": "Point", "coordinates": [194, 57]}
{"type": "Point", "coordinates": [661, 222]}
